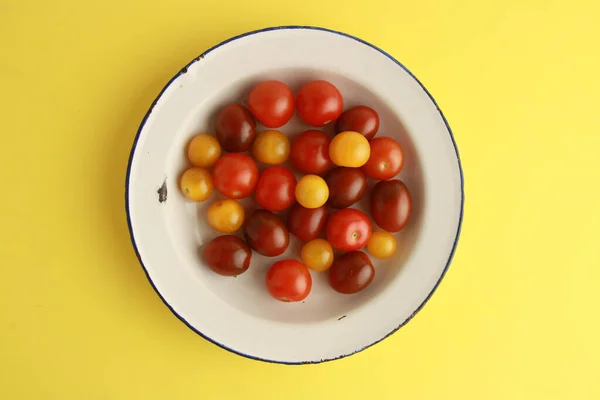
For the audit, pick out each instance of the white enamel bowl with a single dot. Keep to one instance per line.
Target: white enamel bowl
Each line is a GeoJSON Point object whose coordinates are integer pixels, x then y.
{"type": "Point", "coordinates": [237, 313]}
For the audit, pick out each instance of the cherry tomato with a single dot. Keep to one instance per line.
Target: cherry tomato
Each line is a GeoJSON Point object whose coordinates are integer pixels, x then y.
{"type": "Point", "coordinates": [266, 233]}
{"type": "Point", "coordinates": [349, 149]}
{"type": "Point", "coordinates": [271, 147]}
{"type": "Point", "coordinates": [196, 184]}
{"type": "Point", "coordinates": [361, 119]}
{"type": "Point", "coordinates": [226, 215]}
{"type": "Point", "coordinates": [310, 152]}
{"type": "Point", "coordinates": [289, 280]}
{"type": "Point", "coordinates": [312, 191]}
{"type": "Point", "coordinates": [306, 223]}
{"type": "Point", "coordinates": [235, 175]}
{"type": "Point", "coordinates": [346, 186]}
{"type": "Point", "coordinates": [382, 244]}
{"type": "Point", "coordinates": [351, 273]}
{"type": "Point", "coordinates": [348, 229]}
{"type": "Point", "coordinates": [386, 160]}
{"type": "Point", "coordinates": [227, 255]}
{"type": "Point", "coordinates": [236, 128]}
{"type": "Point", "coordinates": [276, 188]}
{"type": "Point", "coordinates": [317, 255]}
{"type": "Point", "coordinates": [204, 151]}
{"type": "Point", "coordinates": [391, 205]}
{"type": "Point", "coordinates": [319, 103]}
{"type": "Point", "coordinates": [272, 103]}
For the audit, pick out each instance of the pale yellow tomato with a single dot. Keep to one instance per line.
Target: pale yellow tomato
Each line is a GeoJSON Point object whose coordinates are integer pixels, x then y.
{"type": "Point", "coordinates": [382, 244]}
{"type": "Point", "coordinates": [226, 215]}
{"type": "Point", "coordinates": [271, 147]}
{"type": "Point", "coordinates": [196, 184]}
{"type": "Point", "coordinates": [312, 191]}
{"type": "Point", "coordinates": [204, 151]}
{"type": "Point", "coordinates": [317, 254]}
{"type": "Point", "coordinates": [349, 149]}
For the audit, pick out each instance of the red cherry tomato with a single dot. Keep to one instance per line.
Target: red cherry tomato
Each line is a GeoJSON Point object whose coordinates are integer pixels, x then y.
{"type": "Point", "coordinates": [386, 159]}
{"type": "Point", "coordinates": [346, 186]}
{"type": "Point", "coordinates": [351, 273]}
{"type": "Point", "coordinates": [272, 103]}
{"type": "Point", "coordinates": [276, 188]}
{"type": "Point", "coordinates": [289, 280]}
{"type": "Point", "coordinates": [319, 103]}
{"type": "Point", "coordinates": [227, 255]}
{"type": "Point", "coordinates": [310, 152]}
{"type": "Point", "coordinates": [236, 128]}
{"type": "Point", "coordinates": [361, 119]}
{"type": "Point", "coordinates": [235, 175]}
{"type": "Point", "coordinates": [391, 205]}
{"type": "Point", "coordinates": [348, 229]}
{"type": "Point", "coordinates": [306, 223]}
{"type": "Point", "coordinates": [266, 233]}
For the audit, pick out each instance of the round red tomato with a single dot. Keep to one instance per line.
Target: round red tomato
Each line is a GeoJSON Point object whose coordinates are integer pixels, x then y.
{"type": "Point", "coordinates": [272, 103]}
{"type": "Point", "coordinates": [348, 229]}
{"type": "Point", "coordinates": [306, 223]}
{"type": "Point", "coordinates": [227, 255]}
{"type": "Point", "coordinates": [236, 128]}
{"type": "Point", "coordinates": [310, 152]}
{"type": "Point", "coordinates": [289, 280]}
{"type": "Point", "coordinates": [351, 273]}
{"type": "Point", "coordinates": [346, 186]}
{"type": "Point", "coordinates": [235, 175]}
{"type": "Point", "coordinates": [276, 188]}
{"type": "Point", "coordinates": [266, 233]}
{"type": "Point", "coordinates": [386, 159]}
{"type": "Point", "coordinates": [391, 205]}
{"type": "Point", "coordinates": [361, 119]}
{"type": "Point", "coordinates": [319, 103]}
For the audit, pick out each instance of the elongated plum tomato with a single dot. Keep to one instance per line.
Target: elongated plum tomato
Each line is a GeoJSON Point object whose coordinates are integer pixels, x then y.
{"type": "Point", "coordinates": [348, 229]}
{"type": "Point", "coordinates": [386, 159]}
{"type": "Point", "coordinates": [346, 186]}
{"type": "Point", "coordinates": [236, 128]}
{"type": "Point", "coordinates": [310, 152]}
{"type": "Point", "coordinates": [289, 280]}
{"type": "Point", "coordinates": [306, 223]}
{"type": "Point", "coordinates": [361, 119]}
{"type": "Point", "coordinates": [235, 175]}
{"type": "Point", "coordinates": [272, 103]}
{"type": "Point", "coordinates": [319, 103]}
{"type": "Point", "coordinates": [276, 188]}
{"type": "Point", "coordinates": [227, 255]}
{"type": "Point", "coordinates": [266, 233]}
{"type": "Point", "coordinates": [391, 205]}
{"type": "Point", "coordinates": [351, 273]}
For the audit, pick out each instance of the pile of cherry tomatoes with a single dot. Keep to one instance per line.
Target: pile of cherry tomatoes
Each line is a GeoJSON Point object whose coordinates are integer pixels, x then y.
{"type": "Point", "coordinates": [335, 172]}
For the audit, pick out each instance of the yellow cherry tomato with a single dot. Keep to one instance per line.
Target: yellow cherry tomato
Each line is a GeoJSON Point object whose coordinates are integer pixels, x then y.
{"type": "Point", "coordinates": [271, 147]}
{"type": "Point", "coordinates": [382, 244]}
{"type": "Point", "coordinates": [312, 191]}
{"type": "Point", "coordinates": [204, 151]}
{"type": "Point", "coordinates": [349, 149]}
{"type": "Point", "coordinates": [226, 215]}
{"type": "Point", "coordinates": [196, 184]}
{"type": "Point", "coordinates": [317, 254]}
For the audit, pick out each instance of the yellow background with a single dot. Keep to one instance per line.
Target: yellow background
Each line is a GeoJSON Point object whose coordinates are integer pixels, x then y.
{"type": "Point", "coordinates": [517, 315]}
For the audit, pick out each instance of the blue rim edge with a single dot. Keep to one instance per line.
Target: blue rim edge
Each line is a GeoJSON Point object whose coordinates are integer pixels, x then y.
{"type": "Point", "coordinates": [183, 71]}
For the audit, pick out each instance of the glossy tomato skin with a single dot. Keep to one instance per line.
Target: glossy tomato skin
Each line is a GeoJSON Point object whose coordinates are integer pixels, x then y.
{"type": "Point", "coordinates": [391, 205]}
{"type": "Point", "coordinates": [310, 152]}
{"type": "Point", "coordinates": [272, 103]}
{"type": "Point", "coordinates": [266, 233]}
{"type": "Point", "coordinates": [236, 128]}
{"type": "Point", "coordinates": [361, 119]}
{"type": "Point", "coordinates": [346, 186]}
{"type": "Point", "coordinates": [306, 223]}
{"type": "Point", "coordinates": [348, 229]}
{"type": "Point", "coordinates": [235, 175]}
{"type": "Point", "coordinates": [386, 159]}
{"type": "Point", "coordinates": [276, 188]}
{"type": "Point", "coordinates": [351, 273]}
{"type": "Point", "coordinates": [319, 103]}
{"type": "Point", "coordinates": [289, 280]}
{"type": "Point", "coordinates": [227, 255]}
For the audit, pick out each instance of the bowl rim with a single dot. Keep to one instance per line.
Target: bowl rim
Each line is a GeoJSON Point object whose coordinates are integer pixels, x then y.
{"type": "Point", "coordinates": [183, 71]}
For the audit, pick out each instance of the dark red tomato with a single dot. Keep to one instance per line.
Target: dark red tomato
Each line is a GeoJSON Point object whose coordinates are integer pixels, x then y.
{"type": "Point", "coordinates": [310, 152]}
{"type": "Point", "coordinates": [351, 273]}
{"type": "Point", "coordinates": [319, 103]}
{"type": "Point", "coordinates": [361, 119]}
{"type": "Point", "coordinates": [306, 223]}
{"type": "Point", "coordinates": [276, 188]}
{"type": "Point", "coordinates": [227, 255]}
{"type": "Point", "coordinates": [266, 233]}
{"type": "Point", "coordinates": [235, 175]}
{"type": "Point", "coordinates": [289, 280]}
{"type": "Point", "coordinates": [272, 103]}
{"type": "Point", "coordinates": [346, 186]}
{"type": "Point", "coordinates": [348, 229]}
{"type": "Point", "coordinates": [236, 128]}
{"type": "Point", "coordinates": [391, 205]}
{"type": "Point", "coordinates": [386, 160]}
